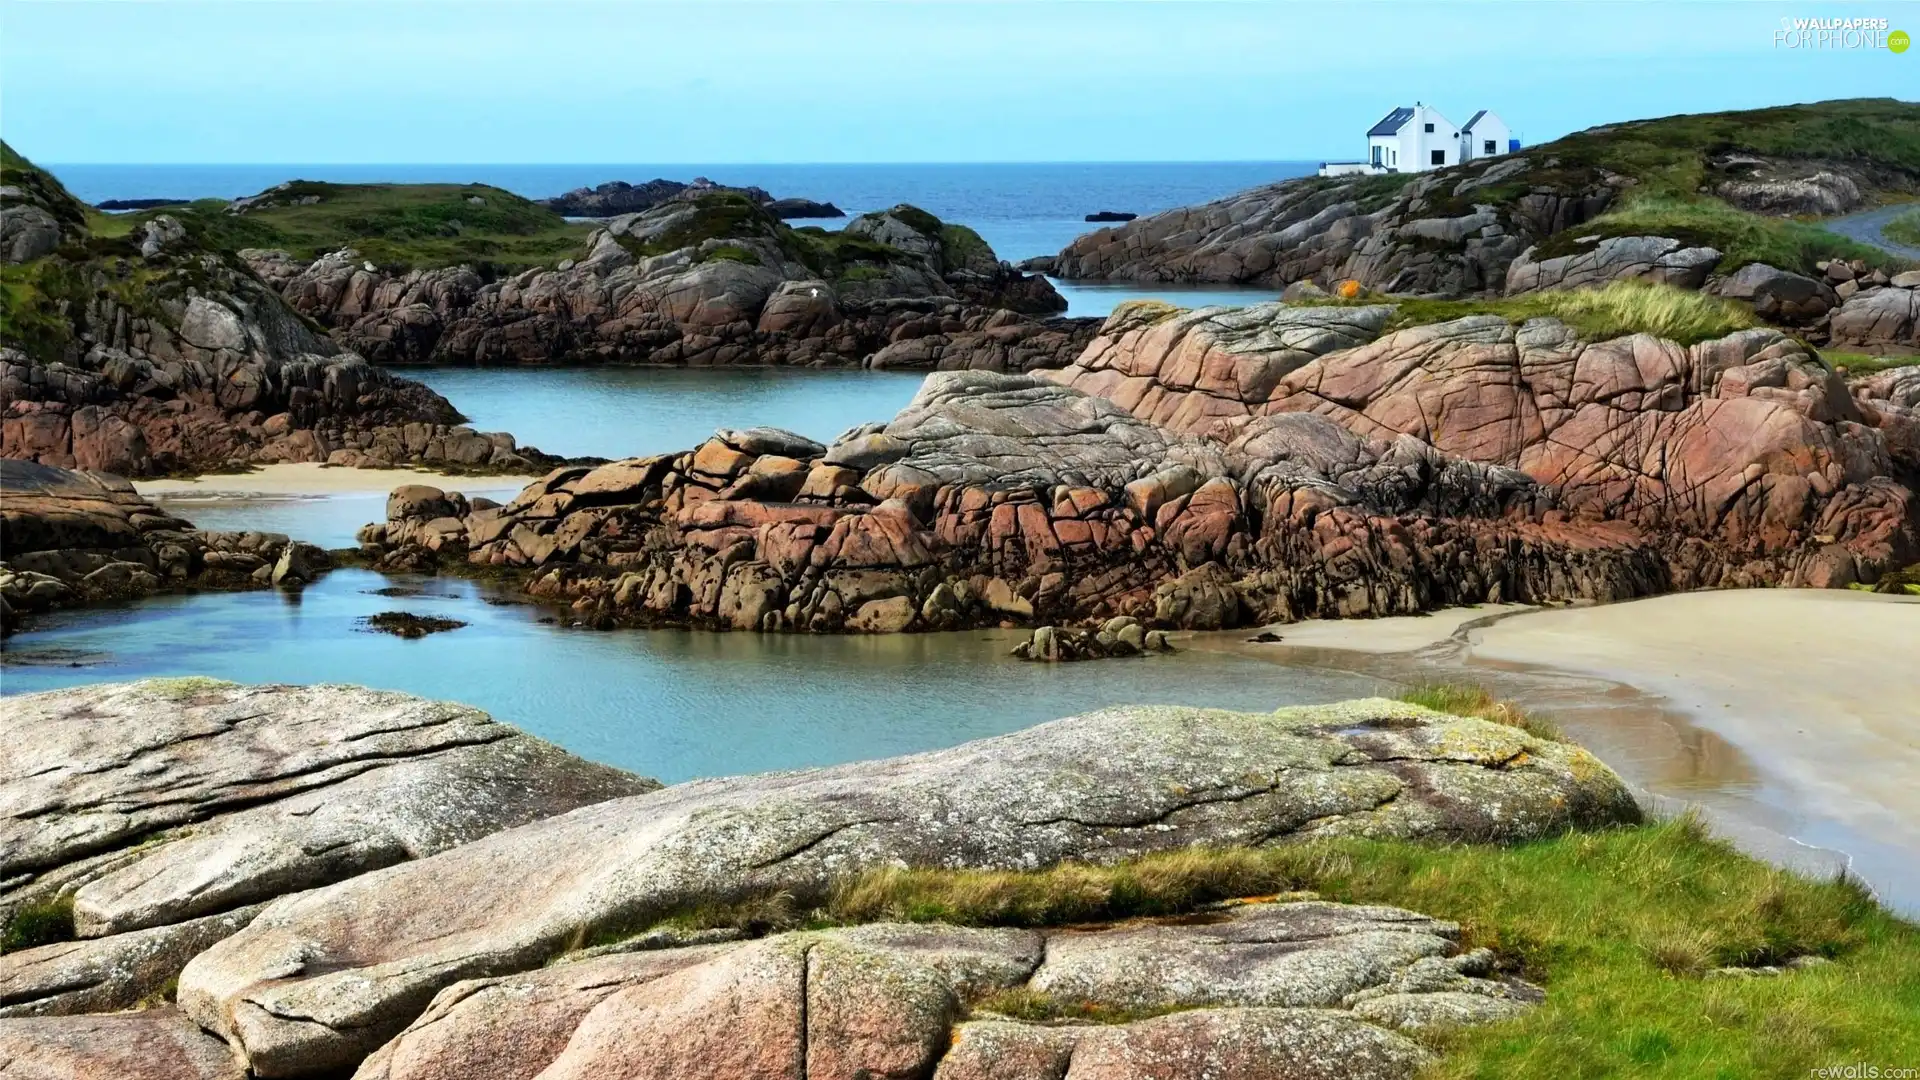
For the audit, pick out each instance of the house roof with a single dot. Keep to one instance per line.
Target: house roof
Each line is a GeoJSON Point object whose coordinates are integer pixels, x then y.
{"type": "Point", "coordinates": [1474, 120]}
{"type": "Point", "coordinates": [1394, 121]}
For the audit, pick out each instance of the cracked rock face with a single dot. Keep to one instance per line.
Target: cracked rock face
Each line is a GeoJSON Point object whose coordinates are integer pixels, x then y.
{"type": "Point", "coordinates": [913, 1000]}
{"type": "Point", "coordinates": [318, 982]}
{"type": "Point", "coordinates": [152, 1044]}
{"type": "Point", "coordinates": [164, 812]}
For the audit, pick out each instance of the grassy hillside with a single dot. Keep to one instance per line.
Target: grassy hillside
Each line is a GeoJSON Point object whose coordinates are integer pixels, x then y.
{"type": "Point", "coordinates": [1665, 173]}
{"type": "Point", "coordinates": [400, 226]}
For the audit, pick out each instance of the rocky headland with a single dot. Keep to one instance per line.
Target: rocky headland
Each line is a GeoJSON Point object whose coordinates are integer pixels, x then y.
{"type": "Point", "coordinates": [1700, 202]}
{"type": "Point", "coordinates": [69, 538]}
{"type": "Point", "coordinates": [1219, 467]}
{"type": "Point", "coordinates": [307, 899]}
{"type": "Point", "coordinates": [156, 351]}
{"type": "Point", "coordinates": [617, 197]}
{"type": "Point", "coordinates": [708, 280]}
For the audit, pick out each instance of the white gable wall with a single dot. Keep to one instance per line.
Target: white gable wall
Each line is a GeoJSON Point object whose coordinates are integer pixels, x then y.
{"type": "Point", "coordinates": [1488, 129]}
{"type": "Point", "coordinates": [1418, 145]}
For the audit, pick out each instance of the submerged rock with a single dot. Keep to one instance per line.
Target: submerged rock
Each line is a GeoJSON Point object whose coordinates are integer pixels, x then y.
{"type": "Point", "coordinates": [406, 624]}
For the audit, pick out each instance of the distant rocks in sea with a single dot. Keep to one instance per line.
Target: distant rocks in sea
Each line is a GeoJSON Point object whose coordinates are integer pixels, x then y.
{"type": "Point", "coordinates": [792, 209]}
{"type": "Point", "coordinates": [618, 197]}
{"type": "Point", "coordinates": [1111, 215]}
{"type": "Point", "coordinates": [138, 204]}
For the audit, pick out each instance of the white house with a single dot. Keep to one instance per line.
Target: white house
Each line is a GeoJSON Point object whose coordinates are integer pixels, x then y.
{"type": "Point", "coordinates": [1484, 136]}
{"type": "Point", "coordinates": [1417, 138]}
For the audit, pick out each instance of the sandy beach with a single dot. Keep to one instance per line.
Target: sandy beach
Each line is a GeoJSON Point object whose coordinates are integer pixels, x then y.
{"type": "Point", "coordinates": [1791, 712]}
{"type": "Point", "coordinates": [314, 479]}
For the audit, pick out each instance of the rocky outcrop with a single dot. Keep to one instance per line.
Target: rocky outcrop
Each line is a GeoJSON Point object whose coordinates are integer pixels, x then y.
{"type": "Point", "coordinates": [154, 353]}
{"type": "Point", "coordinates": [1878, 314]}
{"type": "Point", "coordinates": [263, 792]}
{"type": "Point", "coordinates": [1448, 231]}
{"type": "Point", "coordinates": [711, 280]}
{"type": "Point", "coordinates": [1525, 221]}
{"type": "Point", "coordinates": [313, 984]}
{"type": "Point", "coordinates": [70, 538]}
{"type": "Point", "coordinates": [1749, 447]}
{"type": "Point", "coordinates": [1211, 468]}
{"type": "Point", "coordinates": [1615, 258]}
{"type": "Point", "coordinates": [618, 197]}
{"type": "Point", "coordinates": [1271, 980]}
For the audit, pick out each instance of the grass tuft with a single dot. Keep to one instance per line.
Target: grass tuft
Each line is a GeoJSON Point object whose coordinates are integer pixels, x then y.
{"type": "Point", "coordinates": [1904, 228]}
{"type": "Point", "coordinates": [36, 923]}
{"type": "Point", "coordinates": [1860, 365]}
{"type": "Point", "coordinates": [1741, 237]}
{"type": "Point", "coordinates": [1619, 309]}
{"type": "Point", "coordinates": [1477, 701]}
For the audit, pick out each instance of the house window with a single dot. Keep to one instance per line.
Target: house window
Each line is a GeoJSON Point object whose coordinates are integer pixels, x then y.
{"type": "Point", "coordinates": [1376, 155]}
{"type": "Point", "coordinates": [1429, 129]}
{"type": "Point", "coordinates": [1396, 157]}
{"type": "Point", "coordinates": [1487, 147]}
{"type": "Point", "coordinates": [1439, 157]}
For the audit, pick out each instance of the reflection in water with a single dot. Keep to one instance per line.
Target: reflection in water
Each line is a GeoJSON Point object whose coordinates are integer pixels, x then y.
{"type": "Point", "coordinates": [668, 703]}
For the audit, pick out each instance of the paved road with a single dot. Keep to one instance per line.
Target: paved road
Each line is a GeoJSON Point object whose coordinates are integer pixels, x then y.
{"type": "Point", "coordinates": [1866, 225]}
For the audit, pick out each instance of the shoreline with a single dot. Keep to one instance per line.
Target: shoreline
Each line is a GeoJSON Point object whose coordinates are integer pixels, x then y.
{"type": "Point", "coordinates": [1784, 714]}
{"type": "Point", "coordinates": [296, 480]}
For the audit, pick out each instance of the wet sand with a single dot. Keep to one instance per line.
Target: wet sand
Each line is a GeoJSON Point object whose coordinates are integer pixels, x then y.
{"type": "Point", "coordinates": [314, 479]}
{"type": "Point", "coordinates": [1791, 716]}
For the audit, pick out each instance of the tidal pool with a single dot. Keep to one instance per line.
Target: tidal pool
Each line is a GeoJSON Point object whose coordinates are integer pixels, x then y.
{"type": "Point", "coordinates": [667, 703]}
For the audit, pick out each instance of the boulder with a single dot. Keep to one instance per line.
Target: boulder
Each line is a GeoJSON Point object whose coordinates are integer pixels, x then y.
{"type": "Point", "coordinates": [1779, 295]}
{"type": "Point", "coordinates": [1102, 786]}
{"type": "Point", "coordinates": [1615, 258]}
{"type": "Point", "coordinates": [276, 789]}
{"type": "Point", "coordinates": [152, 1044]}
{"type": "Point", "coordinates": [879, 1001]}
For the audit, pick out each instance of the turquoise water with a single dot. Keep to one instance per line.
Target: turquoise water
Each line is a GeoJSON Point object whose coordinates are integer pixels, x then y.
{"type": "Point", "coordinates": [624, 411]}
{"type": "Point", "coordinates": [667, 703]}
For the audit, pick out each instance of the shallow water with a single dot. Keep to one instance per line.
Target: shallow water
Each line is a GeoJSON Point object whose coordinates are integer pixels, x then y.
{"type": "Point", "coordinates": [667, 703]}
{"type": "Point", "coordinates": [627, 411]}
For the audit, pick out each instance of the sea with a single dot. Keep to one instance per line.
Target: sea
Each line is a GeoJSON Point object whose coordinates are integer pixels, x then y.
{"type": "Point", "coordinates": [1022, 209]}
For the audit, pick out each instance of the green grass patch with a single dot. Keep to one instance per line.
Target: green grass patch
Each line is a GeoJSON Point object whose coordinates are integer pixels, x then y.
{"type": "Point", "coordinates": [1477, 701]}
{"type": "Point", "coordinates": [1739, 236]}
{"type": "Point", "coordinates": [1904, 228]}
{"type": "Point", "coordinates": [730, 253]}
{"type": "Point", "coordinates": [1856, 364]}
{"type": "Point", "coordinates": [1039, 1007]}
{"type": "Point", "coordinates": [1619, 309]}
{"type": "Point", "coordinates": [38, 922]}
{"type": "Point", "coordinates": [1621, 926]}
{"type": "Point", "coordinates": [961, 246]}
{"type": "Point", "coordinates": [398, 226]}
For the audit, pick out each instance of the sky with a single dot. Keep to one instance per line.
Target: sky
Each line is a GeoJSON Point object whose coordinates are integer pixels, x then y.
{"type": "Point", "coordinates": [501, 81]}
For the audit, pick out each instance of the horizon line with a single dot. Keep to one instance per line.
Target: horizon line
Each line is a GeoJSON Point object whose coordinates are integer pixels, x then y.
{"type": "Point", "coordinates": [49, 164]}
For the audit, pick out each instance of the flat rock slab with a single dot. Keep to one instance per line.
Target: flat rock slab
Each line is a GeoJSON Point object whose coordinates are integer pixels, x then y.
{"type": "Point", "coordinates": [161, 810]}
{"type": "Point", "coordinates": [320, 980]}
{"type": "Point", "coordinates": [900, 1000]}
{"type": "Point", "coordinates": [153, 1044]}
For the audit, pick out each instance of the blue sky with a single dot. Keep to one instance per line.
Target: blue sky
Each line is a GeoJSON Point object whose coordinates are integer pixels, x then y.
{"type": "Point", "coordinates": [479, 81]}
